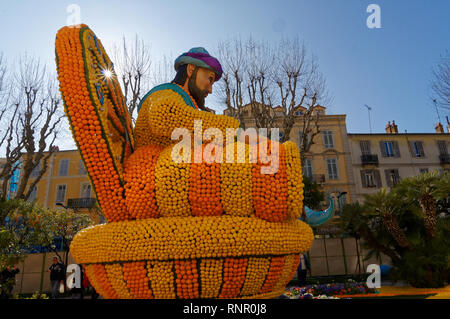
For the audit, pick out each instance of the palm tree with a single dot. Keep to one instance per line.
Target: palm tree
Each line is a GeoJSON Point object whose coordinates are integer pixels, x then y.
{"type": "Point", "coordinates": [357, 219]}
{"type": "Point", "coordinates": [426, 189]}
{"type": "Point", "coordinates": [388, 206]}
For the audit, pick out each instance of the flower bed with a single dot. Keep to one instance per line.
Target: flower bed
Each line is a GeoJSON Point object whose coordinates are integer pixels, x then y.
{"type": "Point", "coordinates": [350, 288]}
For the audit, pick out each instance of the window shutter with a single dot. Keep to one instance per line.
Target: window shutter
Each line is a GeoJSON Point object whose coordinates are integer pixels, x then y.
{"type": "Point", "coordinates": [365, 147]}
{"type": "Point", "coordinates": [388, 177]}
{"type": "Point", "coordinates": [382, 148]}
{"type": "Point", "coordinates": [363, 178]}
{"type": "Point", "coordinates": [36, 169]}
{"type": "Point", "coordinates": [411, 148]}
{"type": "Point", "coordinates": [396, 149]}
{"type": "Point", "coordinates": [420, 147]}
{"type": "Point", "coordinates": [81, 170]}
{"type": "Point", "coordinates": [442, 145]}
{"type": "Point", "coordinates": [330, 139]}
{"type": "Point", "coordinates": [397, 175]}
{"type": "Point", "coordinates": [377, 177]}
{"type": "Point", "coordinates": [325, 139]}
{"type": "Point", "coordinates": [63, 167]}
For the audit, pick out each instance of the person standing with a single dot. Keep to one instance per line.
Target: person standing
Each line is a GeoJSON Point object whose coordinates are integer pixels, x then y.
{"type": "Point", "coordinates": [302, 270]}
{"type": "Point", "coordinates": [7, 281]}
{"type": "Point", "coordinates": [57, 276]}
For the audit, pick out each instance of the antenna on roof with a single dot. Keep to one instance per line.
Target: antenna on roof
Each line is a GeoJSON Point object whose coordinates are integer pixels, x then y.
{"type": "Point", "coordinates": [437, 111]}
{"type": "Point", "coordinates": [368, 110]}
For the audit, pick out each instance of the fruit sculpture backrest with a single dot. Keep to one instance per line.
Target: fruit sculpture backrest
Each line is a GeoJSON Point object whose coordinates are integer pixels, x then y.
{"type": "Point", "coordinates": [175, 229]}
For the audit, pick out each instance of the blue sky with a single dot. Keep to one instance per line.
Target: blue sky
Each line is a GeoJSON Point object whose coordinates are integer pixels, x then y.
{"type": "Point", "coordinates": [389, 68]}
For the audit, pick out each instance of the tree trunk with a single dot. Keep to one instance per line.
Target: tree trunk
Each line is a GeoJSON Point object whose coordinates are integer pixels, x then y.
{"type": "Point", "coordinates": [370, 238]}
{"type": "Point", "coordinates": [428, 206]}
{"type": "Point", "coordinates": [391, 223]}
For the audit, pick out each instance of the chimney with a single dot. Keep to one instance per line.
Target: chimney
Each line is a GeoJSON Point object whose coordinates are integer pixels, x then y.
{"type": "Point", "coordinates": [439, 128]}
{"type": "Point", "coordinates": [388, 128]}
{"type": "Point", "coordinates": [394, 127]}
{"type": "Point", "coordinates": [391, 128]}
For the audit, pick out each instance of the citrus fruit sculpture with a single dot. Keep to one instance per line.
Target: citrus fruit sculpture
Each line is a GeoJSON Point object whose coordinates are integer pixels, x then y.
{"type": "Point", "coordinates": [175, 229]}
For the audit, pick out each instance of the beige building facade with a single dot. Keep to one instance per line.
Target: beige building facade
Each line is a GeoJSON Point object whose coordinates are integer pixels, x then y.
{"type": "Point", "coordinates": [382, 160]}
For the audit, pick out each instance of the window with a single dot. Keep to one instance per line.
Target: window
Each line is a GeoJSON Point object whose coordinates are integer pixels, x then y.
{"type": "Point", "coordinates": [298, 113]}
{"type": "Point", "coordinates": [63, 167]}
{"type": "Point", "coordinates": [365, 147]}
{"type": "Point", "coordinates": [423, 170]}
{"type": "Point", "coordinates": [280, 135]}
{"type": "Point", "coordinates": [307, 168]}
{"type": "Point", "coordinates": [61, 193]}
{"type": "Point", "coordinates": [328, 141]}
{"type": "Point", "coordinates": [300, 137]}
{"type": "Point", "coordinates": [416, 148]}
{"type": "Point", "coordinates": [35, 171]}
{"type": "Point", "coordinates": [370, 178]}
{"type": "Point", "coordinates": [33, 194]}
{"type": "Point", "coordinates": [442, 146]}
{"type": "Point", "coordinates": [81, 170]}
{"type": "Point", "coordinates": [332, 168]}
{"type": "Point", "coordinates": [85, 190]}
{"type": "Point", "coordinates": [389, 149]}
{"type": "Point", "coordinates": [392, 177]}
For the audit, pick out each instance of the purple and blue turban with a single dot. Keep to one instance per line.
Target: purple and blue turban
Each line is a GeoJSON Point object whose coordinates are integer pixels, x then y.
{"type": "Point", "coordinates": [201, 58]}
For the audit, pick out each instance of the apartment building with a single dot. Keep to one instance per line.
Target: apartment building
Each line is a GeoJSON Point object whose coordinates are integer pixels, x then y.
{"type": "Point", "coordinates": [65, 182]}
{"type": "Point", "coordinates": [382, 160]}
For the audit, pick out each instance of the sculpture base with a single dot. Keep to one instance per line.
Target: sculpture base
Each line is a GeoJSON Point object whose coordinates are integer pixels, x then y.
{"type": "Point", "coordinates": [192, 257]}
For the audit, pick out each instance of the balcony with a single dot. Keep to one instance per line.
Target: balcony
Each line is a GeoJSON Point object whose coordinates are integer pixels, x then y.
{"type": "Point", "coordinates": [81, 202]}
{"type": "Point", "coordinates": [369, 159]}
{"type": "Point", "coordinates": [444, 158]}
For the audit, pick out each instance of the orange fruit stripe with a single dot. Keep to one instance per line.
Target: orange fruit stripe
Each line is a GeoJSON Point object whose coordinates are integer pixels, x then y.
{"type": "Point", "coordinates": [210, 277]}
{"type": "Point", "coordinates": [257, 270]}
{"type": "Point", "coordinates": [135, 275]}
{"type": "Point", "coordinates": [286, 274]}
{"type": "Point", "coordinates": [116, 278]}
{"type": "Point", "coordinates": [204, 189]}
{"type": "Point", "coordinates": [275, 270]}
{"type": "Point", "coordinates": [104, 287]}
{"type": "Point", "coordinates": [92, 276]}
{"type": "Point", "coordinates": [270, 190]}
{"type": "Point", "coordinates": [139, 172]}
{"type": "Point", "coordinates": [77, 68]}
{"type": "Point", "coordinates": [187, 279]}
{"type": "Point", "coordinates": [234, 271]}
{"type": "Point", "coordinates": [161, 276]}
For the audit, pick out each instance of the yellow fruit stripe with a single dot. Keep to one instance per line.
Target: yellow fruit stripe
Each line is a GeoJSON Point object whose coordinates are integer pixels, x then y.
{"type": "Point", "coordinates": [294, 178]}
{"type": "Point", "coordinates": [210, 277]}
{"type": "Point", "coordinates": [257, 270]}
{"type": "Point", "coordinates": [116, 278]}
{"type": "Point", "coordinates": [199, 237]}
{"type": "Point", "coordinates": [172, 186]}
{"type": "Point", "coordinates": [165, 110]}
{"type": "Point", "coordinates": [286, 274]}
{"type": "Point", "coordinates": [236, 183]}
{"type": "Point", "coordinates": [161, 276]}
